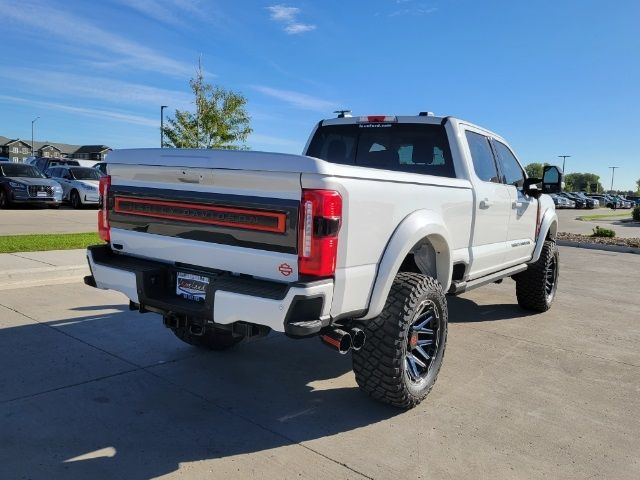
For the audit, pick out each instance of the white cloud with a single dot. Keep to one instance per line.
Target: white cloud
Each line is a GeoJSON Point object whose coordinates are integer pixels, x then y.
{"type": "Point", "coordinates": [86, 112]}
{"type": "Point", "coordinates": [297, 99]}
{"type": "Point", "coordinates": [114, 91]}
{"type": "Point", "coordinates": [172, 12]}
{"type": "Point", "coordinates": [80, 32]}
{"type": "Point", "coordinates": [154, 9]}
{"type": "Point", "coordinates": [282, 13]}
{"type": "Point", "coordinates": [294, 28]}
{"type": "Point", "coordinates": [417, 10]}
{"type": "Point", "coordinates": [289, 17]}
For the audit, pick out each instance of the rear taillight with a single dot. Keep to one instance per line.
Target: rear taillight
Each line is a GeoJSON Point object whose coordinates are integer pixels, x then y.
{"type": "Point", "coordinates": [103, 213]}
{"type": "Point", "coordinates": [320, 219]}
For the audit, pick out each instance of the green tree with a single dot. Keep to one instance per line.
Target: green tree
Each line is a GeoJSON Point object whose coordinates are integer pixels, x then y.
{"type": "Point", "coordinates": [534, 170]}
{"type": "Point", "coordinates": [583, 182]}
{"type": "Point", "coordinates": [638, 184]}
{"type": "Point", "coordinates": [220, 120]}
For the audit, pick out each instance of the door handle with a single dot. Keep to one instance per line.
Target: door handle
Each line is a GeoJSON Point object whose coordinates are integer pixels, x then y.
{"type": "Point", "coordinates": [486, 203]}
{"type": "Point", "coordinates": [515, 205]}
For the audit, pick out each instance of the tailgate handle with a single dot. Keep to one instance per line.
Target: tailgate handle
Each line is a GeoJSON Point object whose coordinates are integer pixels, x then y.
{"type": "Point", "coordinates": [188, 177]}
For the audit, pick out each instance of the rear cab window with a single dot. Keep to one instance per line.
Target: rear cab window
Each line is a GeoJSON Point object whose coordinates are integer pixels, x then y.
{"type": "Point", "coordinates": [404, 147]}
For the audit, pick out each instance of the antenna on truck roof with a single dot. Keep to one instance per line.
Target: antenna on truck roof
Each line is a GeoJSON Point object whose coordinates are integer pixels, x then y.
{"type": "Point", "coordinates": [343, 113]}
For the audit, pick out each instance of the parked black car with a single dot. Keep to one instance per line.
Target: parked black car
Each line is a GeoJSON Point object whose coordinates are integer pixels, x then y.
{"type": "Point", "coordinates": [590, 202]}
{"type": "Point", "coordinates": [20, 183]}
{"type": "Point", "coordinates": [43, 163]}
{"type": "Point", "coordinates": [580, 203]}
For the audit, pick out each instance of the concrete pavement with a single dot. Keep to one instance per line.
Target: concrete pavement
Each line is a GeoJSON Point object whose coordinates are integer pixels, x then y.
{"type": "Point", "coordinates": [91, 390]}
{"type": "Point", "coordinates": [28, 269]}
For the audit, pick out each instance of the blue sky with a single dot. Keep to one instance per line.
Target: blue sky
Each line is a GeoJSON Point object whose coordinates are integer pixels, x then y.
{"type": "Point", "coordinates": [553, 77]}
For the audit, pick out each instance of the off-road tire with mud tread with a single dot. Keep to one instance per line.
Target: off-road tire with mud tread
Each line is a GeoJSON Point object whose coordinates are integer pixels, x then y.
{"type": "Point", "coordinates": [379, 365]}
{"type": "Point", "coordinates": [530, 284]}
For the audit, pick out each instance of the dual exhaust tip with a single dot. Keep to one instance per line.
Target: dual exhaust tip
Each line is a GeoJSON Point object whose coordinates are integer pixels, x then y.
{"type": "Point", "coordinates": [343, 341]}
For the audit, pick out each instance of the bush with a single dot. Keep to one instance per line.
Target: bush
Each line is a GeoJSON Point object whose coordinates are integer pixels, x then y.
{"type": "Point", "coordinates": [603, 232]}
{"type": "Point", "coordinates": [636, 213]}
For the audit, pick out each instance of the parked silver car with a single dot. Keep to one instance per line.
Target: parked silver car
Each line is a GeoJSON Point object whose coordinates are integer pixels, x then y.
{"type": "Point", "coordinates": [79, 184]}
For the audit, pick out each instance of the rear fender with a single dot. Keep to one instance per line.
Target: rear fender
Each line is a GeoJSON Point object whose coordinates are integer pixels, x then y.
{"type": "Point", "coordinates": [422, 227]}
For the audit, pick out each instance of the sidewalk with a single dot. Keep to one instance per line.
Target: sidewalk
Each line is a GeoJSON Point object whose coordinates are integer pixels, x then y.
{"type": "Point", "coordinates": [29, 269]}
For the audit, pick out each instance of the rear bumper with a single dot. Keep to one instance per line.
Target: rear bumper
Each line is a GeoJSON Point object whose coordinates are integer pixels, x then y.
{"type": "Point", "coordinates": [90, 198]}
{"type": "Point", "coordinates": [230, 298]}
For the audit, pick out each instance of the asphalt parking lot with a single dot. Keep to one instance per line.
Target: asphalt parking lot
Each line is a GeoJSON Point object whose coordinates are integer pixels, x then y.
{"type": "Point", "coordinates": [89, 390]}
{"type": "Point", "coordinates": [568, 222]}
{"type": "Point", "coordinates": [28, 220]}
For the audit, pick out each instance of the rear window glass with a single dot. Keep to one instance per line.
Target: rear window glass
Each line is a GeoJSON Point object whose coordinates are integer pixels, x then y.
{"type": "Point", "coordinates": [404, 147]}
{"type": "Point", "coordinates": [85, 173]}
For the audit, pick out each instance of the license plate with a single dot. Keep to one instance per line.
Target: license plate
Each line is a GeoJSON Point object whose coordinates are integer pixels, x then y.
{"type": "Point", "coordinates": [41, 194]}
{"type": "Point", "coordinates": [192, 287]}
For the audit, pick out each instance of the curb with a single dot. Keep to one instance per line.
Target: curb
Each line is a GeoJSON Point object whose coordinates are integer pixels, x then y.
{"type": "Point", "coordinates": [36, 277]}
{"type": "Point", "coordinates": [598, 246]}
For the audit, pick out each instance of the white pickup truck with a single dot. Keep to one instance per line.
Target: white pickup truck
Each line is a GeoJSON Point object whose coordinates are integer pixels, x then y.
{"type": "Point", "coordinates": [357, 240]}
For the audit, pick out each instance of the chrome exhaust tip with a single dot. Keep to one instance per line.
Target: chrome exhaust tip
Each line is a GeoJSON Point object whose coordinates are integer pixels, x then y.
{"type": "Point", "coordinates": [337, 339]}
{"type": "Point", "coordinates": [358, 338]}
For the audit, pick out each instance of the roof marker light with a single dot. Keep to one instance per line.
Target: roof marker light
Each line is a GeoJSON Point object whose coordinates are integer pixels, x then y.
{"type": "Point", "coordinates": [378, 119]}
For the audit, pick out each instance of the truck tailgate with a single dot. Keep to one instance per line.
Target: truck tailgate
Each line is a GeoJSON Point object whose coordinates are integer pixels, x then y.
{"type": "Point", "coordinates": [242, 221]}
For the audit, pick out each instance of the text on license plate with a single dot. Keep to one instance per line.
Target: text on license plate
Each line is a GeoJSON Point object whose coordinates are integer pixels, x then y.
{"type": "Point", "coordinates": [192, 287]}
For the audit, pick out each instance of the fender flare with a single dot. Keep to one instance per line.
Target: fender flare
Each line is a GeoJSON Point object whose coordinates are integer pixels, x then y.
{"type": "Point", "coordinates": [548, 225]}
{"type": "Point", "coordinates": [417, 227]}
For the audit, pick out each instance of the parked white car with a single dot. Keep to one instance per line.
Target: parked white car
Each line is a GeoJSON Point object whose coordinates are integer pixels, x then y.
{"type": "Point", "coordinates": [357, 241]}
{"type": "Point", "coordinates": [79, 184]}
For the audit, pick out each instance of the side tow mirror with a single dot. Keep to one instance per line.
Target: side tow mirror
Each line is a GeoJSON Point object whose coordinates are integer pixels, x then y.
{"type": "Point", "coordinates": [552, 180]}
{"type": "Point", "coordinates": [530, 187]}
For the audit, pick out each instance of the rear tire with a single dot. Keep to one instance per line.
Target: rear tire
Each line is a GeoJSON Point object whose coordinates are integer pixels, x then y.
{"type": "Point", "coordinates": [74, 199]}
{"type": "Point", "coordinates": [536, 287]}
{"type": "Point", "coordinates": [400, 361]}
{"type": "Point", "coordinates": [212, 339]}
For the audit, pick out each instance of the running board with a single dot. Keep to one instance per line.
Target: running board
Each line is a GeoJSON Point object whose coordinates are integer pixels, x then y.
{"type": "Point", "coordinates": [459, 286]}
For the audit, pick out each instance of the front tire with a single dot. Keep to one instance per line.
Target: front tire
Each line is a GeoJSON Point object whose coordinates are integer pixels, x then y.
{"type": "Point", "coordinates": [4, 199]}
{"type": "Point", "coordinates": [212, 339]}
{"type": "Point", "coordinates": [401, 359]}
{"type": "Point", "coordinates": [536, 287]}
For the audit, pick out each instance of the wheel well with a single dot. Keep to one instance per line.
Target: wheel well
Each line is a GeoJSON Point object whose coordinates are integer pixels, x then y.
{"type": "Point", "coordinates": [421, 259]}
{"type": "Point", "coordinates": [553, 229]}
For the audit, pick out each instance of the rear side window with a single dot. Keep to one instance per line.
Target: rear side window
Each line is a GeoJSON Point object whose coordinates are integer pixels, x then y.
{"type": "Point", "coordinates": [511, 169]}
{"type": "Point", "coordinates": [482, 157]}
{"type": "Point", "coordinates": [403, 147]}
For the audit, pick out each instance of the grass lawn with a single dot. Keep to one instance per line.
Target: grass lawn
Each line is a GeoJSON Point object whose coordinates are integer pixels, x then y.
{"type": "Point", "coordinates": [605, 216]}
{"type": "Point", "coordinates": [54, 241]}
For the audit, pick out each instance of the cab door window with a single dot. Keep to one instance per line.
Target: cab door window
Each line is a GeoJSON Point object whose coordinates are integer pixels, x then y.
{"type": "Point", "coordinates": [512, 173]}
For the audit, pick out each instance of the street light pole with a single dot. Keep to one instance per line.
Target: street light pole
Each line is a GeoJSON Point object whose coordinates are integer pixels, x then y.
{"type": "Point", "coordinates": [613, 171]}
{"type": "Point", "coordinates": [564, 158]}
{"type": "Point", "coordinates": [162, 107]}
{"type": "Point", "coordinates": [32, 122]}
